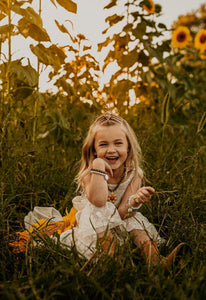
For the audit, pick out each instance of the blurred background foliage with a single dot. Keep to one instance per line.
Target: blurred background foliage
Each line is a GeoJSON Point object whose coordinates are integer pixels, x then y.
{"type": "Point", "coordinates": [158, 86]}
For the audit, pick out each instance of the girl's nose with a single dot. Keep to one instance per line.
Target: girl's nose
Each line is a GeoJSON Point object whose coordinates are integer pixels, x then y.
{"type": "Point", "coordinates": [111, 149]}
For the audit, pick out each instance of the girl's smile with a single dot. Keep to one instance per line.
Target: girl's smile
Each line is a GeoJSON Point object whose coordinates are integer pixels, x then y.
{"type": "Point", "coordinates": [111, 145]}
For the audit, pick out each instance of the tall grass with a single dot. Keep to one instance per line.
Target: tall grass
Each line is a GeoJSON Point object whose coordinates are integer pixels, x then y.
{"type": "Point", "coordinates": [174, 159]}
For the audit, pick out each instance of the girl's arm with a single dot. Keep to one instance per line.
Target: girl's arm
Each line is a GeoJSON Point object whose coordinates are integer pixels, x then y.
{"type": "Point", "coordinates": [96, 185]}
{"type": "Point", "coordinates": [141, 195]}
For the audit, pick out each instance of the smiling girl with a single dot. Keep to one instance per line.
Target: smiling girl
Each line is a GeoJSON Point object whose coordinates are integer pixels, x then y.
{"type": "Point", "coordinates": [110, 180]}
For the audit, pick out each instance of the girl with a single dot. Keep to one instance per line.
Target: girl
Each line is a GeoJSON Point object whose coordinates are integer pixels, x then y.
{"type": "Point", "coordinates": [110, 179]}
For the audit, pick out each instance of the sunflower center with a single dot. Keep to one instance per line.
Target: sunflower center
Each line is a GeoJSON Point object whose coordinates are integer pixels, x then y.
{"type": "Point", "coordinates": [181, 37]}
{"type": "Point", "coordinates": [203, 38]}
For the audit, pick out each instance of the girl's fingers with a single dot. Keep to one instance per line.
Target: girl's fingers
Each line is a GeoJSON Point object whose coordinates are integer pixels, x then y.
{"type": "Point", "coordinates": [147, 189]}
{"type": "Point", "coordinates": [111, 172]}
{"type": "Point", "coordinates": [150, 189]}
{"type": "Point", "coordinates": [144, 194]}
{"type": "Point", "coordinates": [108, 169]}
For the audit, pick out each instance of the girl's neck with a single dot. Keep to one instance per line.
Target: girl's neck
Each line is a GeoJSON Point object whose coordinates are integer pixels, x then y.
{"type": "Point", "coordinates": [117, 175]}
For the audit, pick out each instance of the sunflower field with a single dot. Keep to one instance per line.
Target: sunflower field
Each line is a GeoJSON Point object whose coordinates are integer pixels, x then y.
{"type": "Point", "coordinates": [158, 86]}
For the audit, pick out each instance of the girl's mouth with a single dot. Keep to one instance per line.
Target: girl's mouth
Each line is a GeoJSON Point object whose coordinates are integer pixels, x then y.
{"type": "Point", "coordinates": [112, 159]}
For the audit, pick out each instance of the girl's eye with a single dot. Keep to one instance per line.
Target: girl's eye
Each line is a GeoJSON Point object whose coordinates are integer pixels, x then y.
{"type": "Point", "coordinates": [118, 143]}
{"type": "Point", "coordinates": [102, 145]}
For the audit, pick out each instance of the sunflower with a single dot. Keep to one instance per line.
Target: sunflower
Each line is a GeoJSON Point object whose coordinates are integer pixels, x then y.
{"type": "Point", "coordinates": [181, 37]}
{"type": "Point", "coordinates": [149, 7]}
{"type": "Point", "coordinates": [200, 40]}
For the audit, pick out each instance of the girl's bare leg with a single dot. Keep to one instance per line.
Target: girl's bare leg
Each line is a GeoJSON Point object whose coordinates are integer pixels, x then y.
{"type": "Point", "coordinates": [107, 242]}
{"type": "Point", "coordinates": [139, 237]}
{"type": "Point", "coordinates": [150, 252]}
{"type": "Point", "coordinates": [147, 247]}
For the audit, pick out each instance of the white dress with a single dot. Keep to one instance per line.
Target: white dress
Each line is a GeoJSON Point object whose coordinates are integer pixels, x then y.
{"type": "Point", "coordinates": [92, 220]}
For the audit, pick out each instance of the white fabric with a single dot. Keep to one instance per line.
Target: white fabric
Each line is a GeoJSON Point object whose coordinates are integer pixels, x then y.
{"type": "Point", "coordinates": [47, 213]}
{"type": "Point", "coordinates": [92, 220]}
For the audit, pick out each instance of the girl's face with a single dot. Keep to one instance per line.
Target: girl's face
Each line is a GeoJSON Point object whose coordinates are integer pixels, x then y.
{"type": "Point", "coordinates": [111, 145]}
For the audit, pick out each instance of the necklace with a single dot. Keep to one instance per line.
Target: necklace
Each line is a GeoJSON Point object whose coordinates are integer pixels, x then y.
{"type": "Point", "coordinates": [112, 197]}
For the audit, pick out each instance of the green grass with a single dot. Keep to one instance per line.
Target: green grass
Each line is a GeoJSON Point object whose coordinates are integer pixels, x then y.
{"type": "Point", "coordinates": [175, 166]}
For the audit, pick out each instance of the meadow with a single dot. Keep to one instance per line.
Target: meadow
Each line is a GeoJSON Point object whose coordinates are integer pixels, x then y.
{"type": "Point", "coordinates": [42, 174]}
{"type": "Point", "coordinates": [41, 137]}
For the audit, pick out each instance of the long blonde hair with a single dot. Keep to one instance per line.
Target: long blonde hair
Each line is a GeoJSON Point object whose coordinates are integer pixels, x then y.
{"type": "Point", "coordinates": [134, 158]}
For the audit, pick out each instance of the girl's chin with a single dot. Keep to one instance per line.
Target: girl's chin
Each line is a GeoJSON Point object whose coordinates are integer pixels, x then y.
{"type": "Point", "coordinates": [114, 164]}
{"type": "Point", "coordinates": [116, 167]}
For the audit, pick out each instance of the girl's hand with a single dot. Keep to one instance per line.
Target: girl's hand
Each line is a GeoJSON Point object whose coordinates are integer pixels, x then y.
{"type": "Point", "coordinates": [100, 164]}
{"type": "Point", "coordinates": [143, 195]}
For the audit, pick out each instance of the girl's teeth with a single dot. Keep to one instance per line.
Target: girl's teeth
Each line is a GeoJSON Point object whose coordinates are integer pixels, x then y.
{"type": "Point", "coordinates": [112, 158]}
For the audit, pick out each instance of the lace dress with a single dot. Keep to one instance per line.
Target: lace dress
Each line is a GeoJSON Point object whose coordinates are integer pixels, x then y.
{"type": "Point", "coordinates": [92, 220]}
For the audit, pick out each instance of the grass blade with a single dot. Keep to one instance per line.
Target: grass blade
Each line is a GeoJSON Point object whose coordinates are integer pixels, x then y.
{"type": "Point", "coordinates": [202, 122]}
{"type": "Point", "coordinates": [165, 109]}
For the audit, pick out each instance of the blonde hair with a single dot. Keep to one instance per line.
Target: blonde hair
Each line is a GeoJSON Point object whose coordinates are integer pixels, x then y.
{"type": "Point", "coordinates": [134, 158]}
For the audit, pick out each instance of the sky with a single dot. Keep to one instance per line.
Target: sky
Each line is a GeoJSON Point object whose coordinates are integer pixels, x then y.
{"type": "Point", "coordinates": [89, 21]}
{"type": "Point", "coordinates": [90, 15]}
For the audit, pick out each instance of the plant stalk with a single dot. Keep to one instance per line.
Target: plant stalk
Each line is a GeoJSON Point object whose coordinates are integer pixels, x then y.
{"type": "Point", "coordinates": [36, 98]}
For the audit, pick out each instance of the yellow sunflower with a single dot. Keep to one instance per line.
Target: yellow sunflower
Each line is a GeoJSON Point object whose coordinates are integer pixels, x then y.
{"type": "Point", "coordinates": [200, 40]}
{"type": "Point", "coordinates": [149, 7]}
{"type": "Point", "coordinates": [181, 37]}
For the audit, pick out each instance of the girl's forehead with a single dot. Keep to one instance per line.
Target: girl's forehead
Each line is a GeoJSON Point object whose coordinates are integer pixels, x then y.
{"type": "Point", "coordinates": [112, 131]}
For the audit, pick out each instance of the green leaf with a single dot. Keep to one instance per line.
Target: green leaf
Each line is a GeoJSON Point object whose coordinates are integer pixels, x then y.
{"type": "Point", "coordinates": [153, 52]}
{"type": "Point", "coordinates": [26, 74]}
{"type": "Point", "coordinates": [85, 48]}
{"type": "Point", "coordinates": [5, 29]}
{"type": "Point", "coordinates": [68, 5]}
{"type": "Point", "coordinates": [128, 60]}
{"type": "Point", "coordinates": [29, 29]}
{"type": "Point", "coordinates": [43, 54]}
{"type": "Point", "coordinates": [163, 26]}
{"type": "Point", "coordinates": [165, 109]}
{"type": "Point", "coordinates": [202, 122]}
{"type": "Point", "coordinates": [63, 29]}
{"type": "Point", "coordinates": [127, 27]}
{"type": "Point", "coordinates": [121, 88]}
{"type": "Point", "coordinates": [58, 53]}
{"type": "Point", "coordinates": [111, 4]}
{"type": "Point", "coordinates": [4, 6]}
{"type": "Point", "coordinates": [49, 56]}
{"type": "Point", "coordinates": [143, 58]}
{"type": "Point", "coordinates": [140, 30]}
{"type": "Point", "coordinates": [29, 14]}
{"type": "Point", "coordinates": [171, 90]}
{"type": "Point", "coordinates": [2, 15]}
{"type": "Point", "coordinates": [114, 19]}
{"type": "Point", "coordinates": [104, 44]}
{"type": "Point", "coordinates": [61, 82]}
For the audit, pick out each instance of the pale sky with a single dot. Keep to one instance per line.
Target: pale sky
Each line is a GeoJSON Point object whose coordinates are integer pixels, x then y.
{"type": "Point", "coordinates": [90, 16]}
{"type": "Point", "coordinates": [89, 20]}
{"type": "Point", "coordinates": [171, 9]}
